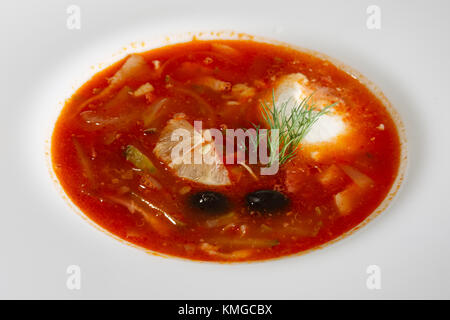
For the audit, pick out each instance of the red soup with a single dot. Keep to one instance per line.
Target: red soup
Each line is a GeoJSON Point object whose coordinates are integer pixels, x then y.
{"type": "Point", "coordinates": [299, 151]}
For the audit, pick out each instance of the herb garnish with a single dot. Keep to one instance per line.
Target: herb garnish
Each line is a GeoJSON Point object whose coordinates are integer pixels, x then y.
{"type": "Point", "coordinates": [293, 124]}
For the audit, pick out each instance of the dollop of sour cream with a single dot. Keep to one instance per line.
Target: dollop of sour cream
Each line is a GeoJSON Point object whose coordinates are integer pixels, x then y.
{"type": "Point", "coordinates": [294, 88]}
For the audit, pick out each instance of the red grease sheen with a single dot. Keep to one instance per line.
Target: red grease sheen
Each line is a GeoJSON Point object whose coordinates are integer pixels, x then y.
{"type": "Point", "coordinates": [331, 187]}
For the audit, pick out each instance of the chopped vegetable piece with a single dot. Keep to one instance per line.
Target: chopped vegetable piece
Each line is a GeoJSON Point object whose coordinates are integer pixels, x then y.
{"type": "Point", "coordinates": [348, 199]}
{"type": "Point", "coordinates": [150, 130]}
{"type": "Point", "coordinates": [134, 67]}
{"type": "Point", "coordinates": [133, 206]}
{"type": "Point", "coordinates": [246, 167]}
{"type": "Point", "coordinates": [149, 205]}
{"type": "Point", "coordinates": [213, 83]}
{"type": "Point", "coordinates": [152, 111]}
{"type": "Point", "coordinates": [234, 255]}
{"type": "Point", "coordinates": [139, 160]}
{"type": "Point", "coordinates": [332, 175]}
{"type": "Point", "coordinates": [225, 49]}
{"type": "Point", "coordinates": [242, 91]}
{"type": "Point", "coordinates": [357, 176]}
{"type": "Point", "coordinates": [143, 90]}
{"type": "Point", "coordinates": [84, 162]}
{"type": "Point", "coordinates": [221, 221]}
{"type": "Point", "coordinates": [243, 242]}
{"type": "Point", "coordinates": [150, 182]}
{"type": "Point", "coordinates": [205, 108]}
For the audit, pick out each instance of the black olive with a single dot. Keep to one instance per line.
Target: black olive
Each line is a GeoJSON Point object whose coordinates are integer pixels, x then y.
{"type": "Point", "coordinates": [266, 201]}
{"type": "Point", "coordinates": [210, 201]}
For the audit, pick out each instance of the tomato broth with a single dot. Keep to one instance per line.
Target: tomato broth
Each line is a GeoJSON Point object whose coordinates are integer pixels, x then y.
{"type": "Point", "coordinates": [109, 154]}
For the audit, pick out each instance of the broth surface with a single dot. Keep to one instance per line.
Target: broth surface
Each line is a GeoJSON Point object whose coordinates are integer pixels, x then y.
{"type": "Point", "coordinates": [332, 185]}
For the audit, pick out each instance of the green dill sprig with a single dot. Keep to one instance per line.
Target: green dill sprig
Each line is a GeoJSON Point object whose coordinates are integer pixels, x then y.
{"type": "Point", "coordinates": [293, 125]}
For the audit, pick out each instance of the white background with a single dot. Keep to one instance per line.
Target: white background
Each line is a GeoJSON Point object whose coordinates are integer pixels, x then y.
{"type": "Point", "coordinates": [408, 58]}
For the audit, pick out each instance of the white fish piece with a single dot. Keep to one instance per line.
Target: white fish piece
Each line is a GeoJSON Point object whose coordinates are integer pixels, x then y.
{"type": "Point", "coordinates": [210, 171]}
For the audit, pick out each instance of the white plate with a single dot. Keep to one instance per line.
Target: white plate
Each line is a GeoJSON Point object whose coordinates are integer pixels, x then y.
{"type": "Point", "coordinates": [43, 62]}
